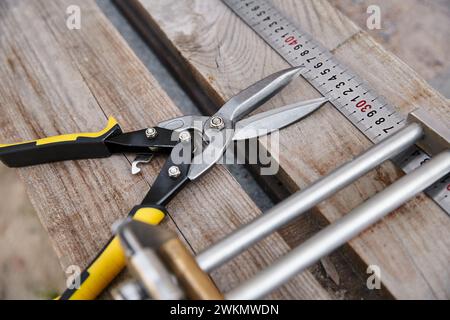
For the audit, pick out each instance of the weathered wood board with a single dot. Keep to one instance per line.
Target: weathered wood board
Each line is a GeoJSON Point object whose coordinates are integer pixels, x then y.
{"type": "Point", "coordinates": [55, 81]}
{"type": "Point", "coordinates": [224, 56]}
{"type": "Point", "coordinates": [416, 31]}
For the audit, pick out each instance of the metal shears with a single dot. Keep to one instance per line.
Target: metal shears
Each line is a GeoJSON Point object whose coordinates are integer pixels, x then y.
{"type": "Point", "coordinates": [215, 135]}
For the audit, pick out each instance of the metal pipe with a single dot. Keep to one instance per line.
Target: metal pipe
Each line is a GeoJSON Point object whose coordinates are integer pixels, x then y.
{"type": "Point", "coordinates": [344, 229]}
{"type": "Point", "coordinates": [302, 201]}
{"type": "Point", "coordinates": [145, 263]}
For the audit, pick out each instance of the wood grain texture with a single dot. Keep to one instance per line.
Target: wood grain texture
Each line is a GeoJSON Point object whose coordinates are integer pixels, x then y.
{"type": "Point", "coordinates": [32, 255]}
{"type": "Point", "coordinates": [416, 31]}
{"type": "Point", "coordinates": [225, 56]}
{"type": "Point", "coordinates": [55, 81]}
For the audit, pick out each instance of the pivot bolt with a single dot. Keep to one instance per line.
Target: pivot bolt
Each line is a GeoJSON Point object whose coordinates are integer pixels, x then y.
{"type": "Point", "coordinates": [217, 123]}
{"type": "Point", "coordinates": [174, 172]}
{"type": "Point", "coordinates": [185, 137]}
{"type": "Point", "coordinates": [151, 133]}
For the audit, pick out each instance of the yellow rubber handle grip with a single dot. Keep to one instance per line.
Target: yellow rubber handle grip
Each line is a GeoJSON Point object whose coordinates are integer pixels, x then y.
{"type": "Point", "coordinates": [109, 262]}
{"type": "Point", "coordinates": [75, 146]}
{"type": "Point", "coordinates": [112, 122]}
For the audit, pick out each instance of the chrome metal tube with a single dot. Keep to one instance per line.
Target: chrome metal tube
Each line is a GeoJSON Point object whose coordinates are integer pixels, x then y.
{"type": "Point", "coordinates": [344, 229]}
{"type": "Point", "coordinates": [306, 199]}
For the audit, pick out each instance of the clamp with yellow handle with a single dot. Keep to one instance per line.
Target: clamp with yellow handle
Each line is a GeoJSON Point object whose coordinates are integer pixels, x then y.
{"type": "Point", "coordinates": [111, 140]}
{"type": "Point", "coordinates": [209, 137]}
{"type": "Point", "coordinates": [162, 266]}
{"type": "Point", "coordinates": [110, 262]}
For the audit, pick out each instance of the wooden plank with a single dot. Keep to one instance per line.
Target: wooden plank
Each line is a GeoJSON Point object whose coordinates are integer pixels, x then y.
{"type": "Point", "coordinates": [17, 258]}
{"type": "Point", "coordinates": [57, 81]}
{"type": "Point", "coordinates": [412, 246]}
{"type": "Point", "coordinates": [416, 31]}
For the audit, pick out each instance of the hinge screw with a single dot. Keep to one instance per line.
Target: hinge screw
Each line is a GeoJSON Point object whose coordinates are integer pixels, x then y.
{"type": "Point", "coordinates": [185, 137]}
{"type": "Point", "coordinates": [217, 123]}
{"type": "Point", "coordinates": [151, 133]}
{"type": "Point", "coordinates": [174, 172]}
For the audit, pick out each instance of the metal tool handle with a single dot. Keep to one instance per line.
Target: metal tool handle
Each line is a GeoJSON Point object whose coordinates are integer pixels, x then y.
{"type": "Point", "coordinates": [197, 284]}
{"type": "Point", "coordinates": [164, 266]}
{"type": "Point", "coordinates": [343, 230]}
{"type": "Point", "coordinates": [60, 148]}
{"type": "Point", "coordinates": [110, 261]}
{"type": "Point", "coordinates": [303, 200]}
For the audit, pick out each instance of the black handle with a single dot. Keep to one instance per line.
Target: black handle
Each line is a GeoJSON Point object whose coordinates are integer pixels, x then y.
{"type": "Point", "coordinates": [60, 148]}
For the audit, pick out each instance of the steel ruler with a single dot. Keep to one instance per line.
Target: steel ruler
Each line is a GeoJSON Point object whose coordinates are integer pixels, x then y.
{"type": "Point", "coordinates": [352, 96]}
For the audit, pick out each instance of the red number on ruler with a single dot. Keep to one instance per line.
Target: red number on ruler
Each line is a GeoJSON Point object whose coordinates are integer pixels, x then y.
{"type": "Point", "coordinates": [291, 41]}
{"type": "Point", "coordinates": [363, 106]}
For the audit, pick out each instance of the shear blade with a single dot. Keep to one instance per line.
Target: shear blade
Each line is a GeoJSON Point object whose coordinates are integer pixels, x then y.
{"type": "Point", "coordinates": [256, 95]}
{"type": "Point", "coordinates": [273, 120]}
{"type": "Point", "coordinates": [234, 110]}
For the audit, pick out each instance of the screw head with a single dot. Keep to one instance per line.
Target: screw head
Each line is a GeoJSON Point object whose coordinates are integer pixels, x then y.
{"type": "Point", "coordinates": [217, 123]}
{"type": "Point", "coordinates": [185, 137]}
{"type": "Point", "coordinates": [174, 172]}
{"type": "Point", "coordinates": [151, 133]}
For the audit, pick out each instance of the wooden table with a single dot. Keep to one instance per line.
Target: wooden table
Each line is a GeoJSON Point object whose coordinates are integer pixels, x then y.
{"type": "Point", "coordinates": [206, 40]}
{"type": "Point", "coordinates": [55, 81]}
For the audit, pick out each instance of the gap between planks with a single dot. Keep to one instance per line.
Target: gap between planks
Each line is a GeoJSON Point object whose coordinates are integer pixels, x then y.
{"type": "Point", "coordinates": [405, 242]}
{"type": "Point", "coordinates": [56, 81]}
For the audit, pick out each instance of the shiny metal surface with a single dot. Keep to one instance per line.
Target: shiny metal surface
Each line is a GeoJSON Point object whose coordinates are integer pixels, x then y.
{"type": "Point", "coordinates": [270, 121]}
{"type": "Point", "coordinates": [302, 201]}
{"type": "Point", "coordinates": [154, 276]}
{"type": "Point", "coordinates": [185, 123]}
{"type": "Point", "coordinates": [219, 139]}
{"type": "Point", "coordinates": [140, 159]}
{"type": "Point", "coordinates": [140, 243]}
{"type": "Point", "coordinates": [343, 230]}
{"type": "Point", "coordinates": [437, 131]}
{"type": "Point", "coordinates": [336, 81]}
{"type": "Point", "coordinates": [254, 96]}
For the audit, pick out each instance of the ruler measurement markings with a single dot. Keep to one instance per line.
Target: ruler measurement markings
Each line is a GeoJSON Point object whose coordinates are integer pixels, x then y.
{"type": "Point", "coordinates": [317, 66]}
{"type": "Point", "coordinates": [352, 97]}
